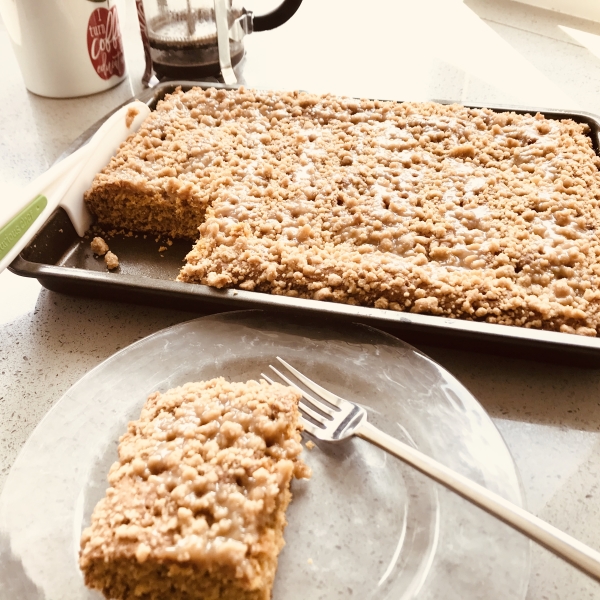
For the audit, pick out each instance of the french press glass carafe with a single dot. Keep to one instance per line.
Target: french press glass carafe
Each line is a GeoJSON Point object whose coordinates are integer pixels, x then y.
{"type": "Point", "coordinates": [183, 35]}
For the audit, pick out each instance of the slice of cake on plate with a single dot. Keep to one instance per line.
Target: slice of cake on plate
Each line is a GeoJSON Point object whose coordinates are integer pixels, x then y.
{"type": "Point", "coordinates": [196, 504]}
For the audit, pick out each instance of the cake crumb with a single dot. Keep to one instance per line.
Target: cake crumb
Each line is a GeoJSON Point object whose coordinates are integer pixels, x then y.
{"type": "Point", "coordinates": [112, 260]}
{"type": "Point", "coordinates": [99, 246]}
{"type": "Point", "coordinates": [162, 248]}
{"type": "Point", "coordinates": [132, 113]}
{"type": "Point", "coordinates": [310, 561]}
{"type": "Point", "coordinates": [310, 445]}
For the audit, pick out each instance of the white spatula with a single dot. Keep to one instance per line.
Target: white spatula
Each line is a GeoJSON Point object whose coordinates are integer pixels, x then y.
{"type": "Point", "coordinates": [65, 183]}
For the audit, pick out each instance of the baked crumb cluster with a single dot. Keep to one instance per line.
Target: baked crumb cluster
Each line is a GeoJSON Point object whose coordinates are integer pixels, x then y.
{"type": "Point", "coordinates": [418, 207]}
{"type": "Point", "coordinates": [99, 247]}
{"type": "Point", "coordinates": [198, 495]}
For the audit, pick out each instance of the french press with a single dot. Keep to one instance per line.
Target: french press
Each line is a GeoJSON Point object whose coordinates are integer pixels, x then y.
{"type": "Point", "coordinates": [191, 39]}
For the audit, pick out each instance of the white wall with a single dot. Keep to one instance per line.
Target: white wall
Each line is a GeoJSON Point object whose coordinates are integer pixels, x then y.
{"type": "Point", "coordinates": [585, 9]}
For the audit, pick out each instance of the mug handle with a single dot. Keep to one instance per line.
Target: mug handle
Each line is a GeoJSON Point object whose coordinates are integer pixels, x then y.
{"type": "Point", "coordinates": [277, 17]}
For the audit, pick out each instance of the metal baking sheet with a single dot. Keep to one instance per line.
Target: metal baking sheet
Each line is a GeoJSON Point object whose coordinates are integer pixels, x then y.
{"type": "Point", "coordinates": [64, 263]}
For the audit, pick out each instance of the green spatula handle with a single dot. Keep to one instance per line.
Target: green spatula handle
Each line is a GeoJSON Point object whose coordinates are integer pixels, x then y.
{"type": "Point", "coordinates": [12, 232]}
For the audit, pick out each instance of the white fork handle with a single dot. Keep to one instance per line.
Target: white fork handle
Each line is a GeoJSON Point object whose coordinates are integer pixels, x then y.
{"type": "Point", "coordinates": [563, 545]}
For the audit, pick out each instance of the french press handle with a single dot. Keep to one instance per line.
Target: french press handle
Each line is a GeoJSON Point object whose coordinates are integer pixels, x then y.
{"type": "Point", "coordinates": [277, 17]}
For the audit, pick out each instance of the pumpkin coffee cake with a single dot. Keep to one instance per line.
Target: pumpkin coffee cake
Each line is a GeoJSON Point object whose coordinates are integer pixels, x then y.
{"type": "Point", "coordinates": [420, 207]}
{"type": "Point", "coordinates": [196, 504]}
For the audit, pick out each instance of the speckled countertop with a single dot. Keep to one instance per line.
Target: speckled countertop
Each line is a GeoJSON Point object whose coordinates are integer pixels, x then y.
{"type": "Point", "coordinates": [478, 51]}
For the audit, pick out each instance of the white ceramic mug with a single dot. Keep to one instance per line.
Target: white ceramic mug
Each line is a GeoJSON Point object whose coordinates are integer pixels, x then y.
{"type": "Point", "coordinates": [66, 48]}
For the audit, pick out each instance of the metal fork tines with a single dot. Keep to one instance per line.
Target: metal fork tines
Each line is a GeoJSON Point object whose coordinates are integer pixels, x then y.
{"type": "Point", "coordinates": [331, 418]}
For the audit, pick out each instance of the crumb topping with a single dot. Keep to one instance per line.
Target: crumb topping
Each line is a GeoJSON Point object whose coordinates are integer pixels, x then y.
{"type": "Point", "coordinates": [420, 207]}
{"type": "Point", "coordinates": [434, 209]}
{"type": "Point", "coordinates": [200, 476]}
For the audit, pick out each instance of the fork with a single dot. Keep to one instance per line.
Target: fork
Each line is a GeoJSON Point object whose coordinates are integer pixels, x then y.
{"type": "Point", "coordinates": [334, 419]}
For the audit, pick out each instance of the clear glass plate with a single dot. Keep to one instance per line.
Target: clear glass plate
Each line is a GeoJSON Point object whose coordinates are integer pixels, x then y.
{"type": "Point", "coordinates": [365, 526]}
